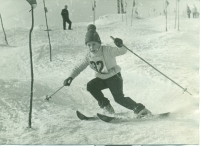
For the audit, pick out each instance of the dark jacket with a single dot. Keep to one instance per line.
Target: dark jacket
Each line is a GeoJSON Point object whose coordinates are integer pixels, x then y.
{"type": "Point", "coordinates": [65, 14]}
{"type": "Point", "coordinates": [188, 10]}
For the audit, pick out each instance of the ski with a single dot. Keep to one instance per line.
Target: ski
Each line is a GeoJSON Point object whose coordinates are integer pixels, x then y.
{"type": "Point", "coordinates": [81, 116]}
{"type": "Point", "coordinates": [118, 118]}
{"type": "Point", "coordinates": [106, 118]}
{"type": "Point", "coordinates": [84, 117]}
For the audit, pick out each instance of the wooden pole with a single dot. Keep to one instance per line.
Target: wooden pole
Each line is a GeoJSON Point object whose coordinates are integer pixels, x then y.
{"type": "Point", "coordinates": [122, 9]}
{"type": "Point", "coordinates": [94, 10]}
{"type": "Point", "coordinates": [166, 14]}
{"type": "Point", "coordinates": [3, 30]}
{"type": "Point", "coordinates": [178, 15]}
{"type": "Point", "coordinates": [126, 11]}
{"type": "Point", "coordinates": [31, 64]}
{"type": "Point", "coordinates": [47, 30]}
{"type": "Point", "coordinates": [118, 6]}
{"type": "Point", "coordinates": [175, 15]}
{"type": "Point", "coordinates": [164, 6]}
{"type": "Point", "coordinates": [132, 11]}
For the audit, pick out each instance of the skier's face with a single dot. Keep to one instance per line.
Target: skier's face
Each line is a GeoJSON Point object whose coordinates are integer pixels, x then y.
{"type": "Point", "coordinates": [93, 46]}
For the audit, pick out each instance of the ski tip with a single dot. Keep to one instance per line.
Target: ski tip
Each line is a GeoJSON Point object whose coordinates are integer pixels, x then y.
{"type": "Point", "coordinates": [81, 116]}
{"type": "Point", "coordinates": [105, 118]}
{"type": "Point", "coordinates": [164, 114]}
{"type": "Point", "coordinates": [78, 113]}
{"type": "Point", "coordinates": [161, 115]}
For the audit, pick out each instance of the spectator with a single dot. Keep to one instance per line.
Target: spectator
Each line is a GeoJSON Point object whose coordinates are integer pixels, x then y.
{"type": "Point", "coordinates": [65, 16]}
{"type": "Point", "coordinates": [188, 11]}
{"type": "Point", "coordinates": [194, 11]}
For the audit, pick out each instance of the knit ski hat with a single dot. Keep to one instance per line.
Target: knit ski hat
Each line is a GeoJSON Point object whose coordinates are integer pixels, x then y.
{"type": "Point", "coordinates": [92, 35]}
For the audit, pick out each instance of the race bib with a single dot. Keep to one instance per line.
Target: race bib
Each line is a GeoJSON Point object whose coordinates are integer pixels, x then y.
{"type": "Point", "coordinates": [98, 64]}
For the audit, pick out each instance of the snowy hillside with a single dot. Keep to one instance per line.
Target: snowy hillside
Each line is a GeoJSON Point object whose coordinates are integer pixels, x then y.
{"type": "Point", "coordinates": [81, 10]}
{"type": "Point", "coordinates": [175, 53]}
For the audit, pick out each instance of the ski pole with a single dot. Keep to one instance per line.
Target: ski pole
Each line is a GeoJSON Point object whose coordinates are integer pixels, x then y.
{"type": "Point", "coordinates": [48, 97]}
{"type": "Point", "coordinates": [184, 89]}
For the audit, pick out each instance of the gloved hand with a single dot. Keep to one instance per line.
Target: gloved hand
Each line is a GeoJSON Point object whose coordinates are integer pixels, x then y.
{"type": "Point", "coordinates": [118, 42]}
{"type": "Point", "coordinates": [68, 81]}
{"type": "Point", "coordinates": [138, 108]}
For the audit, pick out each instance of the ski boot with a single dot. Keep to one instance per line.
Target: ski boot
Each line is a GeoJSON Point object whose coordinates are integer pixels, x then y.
{"type": "Point", "coordinates": [108, 109]}
{"type": "Point", "coordinates": [141, 111]}
{"type": "Point", "coordinates": [144, 113]}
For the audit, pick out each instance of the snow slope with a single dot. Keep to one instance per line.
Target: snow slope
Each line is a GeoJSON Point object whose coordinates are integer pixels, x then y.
{"type": "Point", "coordinates": [175, 53]}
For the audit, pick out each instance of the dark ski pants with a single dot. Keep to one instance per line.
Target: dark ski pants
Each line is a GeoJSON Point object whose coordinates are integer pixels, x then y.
{"type": "Point", "coordinates": [194, 15]}
{"type": "Point", "coordinates": [115, 85]}
{"type": "Point", "coordinates": [64, 23]}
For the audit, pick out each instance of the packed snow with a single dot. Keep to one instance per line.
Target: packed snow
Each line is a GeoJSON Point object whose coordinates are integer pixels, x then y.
{"type": "Point", "coordinates": [175, 53]}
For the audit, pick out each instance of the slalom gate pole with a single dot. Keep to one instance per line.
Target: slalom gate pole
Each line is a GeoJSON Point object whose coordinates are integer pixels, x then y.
{"type": "Point", "coordinates": [3, 29]}
{"type": "Point", "coordinates": [131, 16]}
{"type": "Point", "coordinates": [184, 89]}
{"type": "Point", "coordinates": [166, 15]}
{"type": "Point", "coordinates": [175, 15]}
{"type": "Point", "coordinates": [31, 64]}
{"type": "Point", "coordinates": [47, 30]}
{"type": "Point", "coordinates": [178, 14]}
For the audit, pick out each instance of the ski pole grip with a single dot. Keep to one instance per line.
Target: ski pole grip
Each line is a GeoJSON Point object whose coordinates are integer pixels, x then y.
{"type": "Point", "coordinates": [122, 44]}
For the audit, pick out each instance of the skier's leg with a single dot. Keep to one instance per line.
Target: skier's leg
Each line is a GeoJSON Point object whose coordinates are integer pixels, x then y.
{"type": "Point", "coordinates": [115, 84]}
{"type": "Point", "coordinates": [94, 87]}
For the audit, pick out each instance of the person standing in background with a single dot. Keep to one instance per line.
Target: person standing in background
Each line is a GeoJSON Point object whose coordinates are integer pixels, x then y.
{"type": "Point", "coordinates": [188, 11]}
{"type": "Point", "coordinates": [194, 11]}
{"type": "Point", "coordinates": [65, 16]}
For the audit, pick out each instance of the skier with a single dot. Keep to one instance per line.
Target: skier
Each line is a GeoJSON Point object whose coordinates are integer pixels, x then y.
{"type": "Point", "coordinates": [65, 16]}
{"type": "Point", "coordinates": [102, 59]}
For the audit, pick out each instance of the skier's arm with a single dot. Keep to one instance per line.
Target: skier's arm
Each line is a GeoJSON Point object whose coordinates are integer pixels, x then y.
{"type": "Point", "coordinates": [119, 50]}
{"type": "Point", "coordinates": [76, 71]}
{"type": "Point", "coordinates": [79, 68]}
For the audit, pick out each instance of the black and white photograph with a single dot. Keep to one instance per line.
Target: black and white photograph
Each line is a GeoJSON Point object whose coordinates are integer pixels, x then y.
{"type": "Point", "coordinates": [146, 145]}
{"type": "Point", "coordinates": [99, 72]}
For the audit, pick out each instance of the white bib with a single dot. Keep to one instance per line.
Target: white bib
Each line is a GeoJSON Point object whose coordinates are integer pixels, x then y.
{"type": "Point", "coordinates": [98, 64]}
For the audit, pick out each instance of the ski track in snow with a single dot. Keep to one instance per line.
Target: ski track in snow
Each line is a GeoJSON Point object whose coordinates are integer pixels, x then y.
{"type": "Point", "coordinates": [55, 122]}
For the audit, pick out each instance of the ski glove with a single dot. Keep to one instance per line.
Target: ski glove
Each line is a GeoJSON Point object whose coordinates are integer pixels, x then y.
{"type": "Point", "coordinates": [138, 108]}
{"type": "Point", "coordinates": [68, 81]}
{"type": "Point", "coordinates": [118, 42]}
